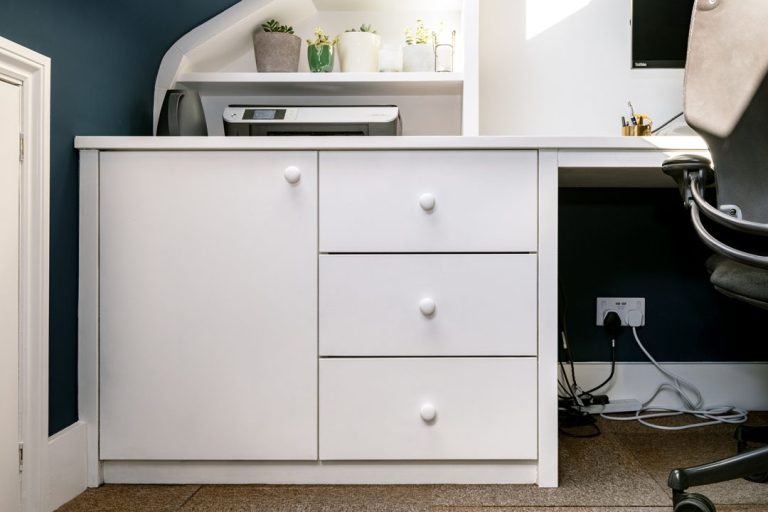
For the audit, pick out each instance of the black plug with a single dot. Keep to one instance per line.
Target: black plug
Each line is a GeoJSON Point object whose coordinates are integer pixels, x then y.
{"type": "Point", "coordinates": [612, 324]}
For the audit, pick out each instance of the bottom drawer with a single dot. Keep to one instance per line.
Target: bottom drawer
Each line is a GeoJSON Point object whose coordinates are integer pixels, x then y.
{"type": "Point", "coordinates": [428, 408]}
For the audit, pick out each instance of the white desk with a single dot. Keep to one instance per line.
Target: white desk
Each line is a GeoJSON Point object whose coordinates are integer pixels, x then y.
{"type": "Point", "coordinates": [473, 176]}
{"type": "Point", "coordinates": [583, 161]}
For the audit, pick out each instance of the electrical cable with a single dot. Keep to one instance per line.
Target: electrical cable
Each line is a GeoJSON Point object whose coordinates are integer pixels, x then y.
{"type": "Point", "coordinates": [567, 347]}
{"type": "Point", "coordinates": [573, 387]}
{"type": "Point", "coordinates": [693, 405]}
{"type": "Point", "coordinates": [572, 418]}
{"type": "Point", "coordinates": [569, 388]}
{"type": "Point", "coordinates": [567, 395]}
{"type": "Point", "coordinates": [613, 369]}
{"type": "Point", "coordinates": [667, 123]}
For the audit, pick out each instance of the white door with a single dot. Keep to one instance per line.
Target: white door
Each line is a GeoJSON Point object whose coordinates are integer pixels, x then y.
{"type": "Point", "coordinates": [208, 305]}
{"type": "Point", "coordinates": [10, 126]}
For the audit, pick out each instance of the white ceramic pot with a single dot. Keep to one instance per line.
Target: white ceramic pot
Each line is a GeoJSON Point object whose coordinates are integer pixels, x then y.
{"type": "Point", "coordinates": [418, 57]}
{"type": "Point", "coordinates": [359, 51]}
{"type": "Point", "coordinates": [390, 58]}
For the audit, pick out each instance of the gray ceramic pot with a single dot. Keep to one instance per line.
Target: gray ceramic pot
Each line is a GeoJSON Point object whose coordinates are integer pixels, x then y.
{"type": "Point", "coordinates": [276, 52]}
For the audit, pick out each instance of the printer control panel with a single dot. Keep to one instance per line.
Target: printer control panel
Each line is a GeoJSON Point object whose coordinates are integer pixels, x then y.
{"type": "Point", "coordinates": [258, 114]}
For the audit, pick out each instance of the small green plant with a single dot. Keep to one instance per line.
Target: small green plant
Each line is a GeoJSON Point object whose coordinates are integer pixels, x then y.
{"type": "Point", "coordinates": [419, 34]}
{"type": "Point", "coordinates": [322, 39]}
{"type": "Point", "coordinates": [363, 28]}
{"type": "Point", "coordinates": [275, 26]}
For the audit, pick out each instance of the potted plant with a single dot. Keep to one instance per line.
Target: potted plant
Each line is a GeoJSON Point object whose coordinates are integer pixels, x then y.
{"type": "Point", "coordinates": [359, 49]}
{"type": "Point", "coordinates": [320, 52]}
{"type": "Point", "coordinates": [419, 50]}
{"type": "Point", "coordinates": [277, 48]}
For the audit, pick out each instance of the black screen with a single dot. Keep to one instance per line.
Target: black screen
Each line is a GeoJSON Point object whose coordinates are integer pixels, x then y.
{"type": "Point", "coordinates": [259, 114]}
{"type": "Point", "coordinates": [660, 33]}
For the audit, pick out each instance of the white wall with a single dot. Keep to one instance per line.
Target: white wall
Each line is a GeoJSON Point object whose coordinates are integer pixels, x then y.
{"type": "Point", "coordinates": [573, 78]}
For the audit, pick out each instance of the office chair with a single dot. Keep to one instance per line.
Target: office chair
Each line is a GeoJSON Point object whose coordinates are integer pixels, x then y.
{"type": "Point", "coordinates": [726, 102]}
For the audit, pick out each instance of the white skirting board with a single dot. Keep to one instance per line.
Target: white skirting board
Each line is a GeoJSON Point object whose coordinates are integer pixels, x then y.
{"type": "Point", "coordinates": [738, 384]}
{"type": "Point", "coordinates": [67, 465]}
{"type": "Point", "coordinates": [385, 473]}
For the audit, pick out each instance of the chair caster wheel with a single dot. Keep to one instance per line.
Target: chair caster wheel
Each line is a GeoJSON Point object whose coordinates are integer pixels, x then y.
{"type": "Point", "coordinates": [694, 503]}
{"type": "Point", "coordinates": [759, 478]}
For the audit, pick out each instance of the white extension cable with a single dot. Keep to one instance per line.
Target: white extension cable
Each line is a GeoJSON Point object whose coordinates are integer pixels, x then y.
{"type": "Point", "coordinates": [693, 405]}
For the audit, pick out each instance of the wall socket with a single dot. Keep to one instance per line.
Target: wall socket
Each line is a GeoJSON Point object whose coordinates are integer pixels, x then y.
{"type": "Point", "coordinates": [632, 308]}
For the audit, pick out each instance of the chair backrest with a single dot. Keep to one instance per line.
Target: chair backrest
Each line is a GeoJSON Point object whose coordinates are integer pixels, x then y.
{"type": "Point", "coordinates": [726, 98]}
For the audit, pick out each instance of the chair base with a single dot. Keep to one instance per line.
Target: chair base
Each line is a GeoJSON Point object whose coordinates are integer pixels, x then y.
{"type": "Point", "coordinates": [749, 464]}
{"type": "Point", "coordinates": [745, 437]}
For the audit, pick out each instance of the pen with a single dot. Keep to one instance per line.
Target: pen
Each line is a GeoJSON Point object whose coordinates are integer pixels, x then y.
{"type": "Point", "coordinates": [632, 114]}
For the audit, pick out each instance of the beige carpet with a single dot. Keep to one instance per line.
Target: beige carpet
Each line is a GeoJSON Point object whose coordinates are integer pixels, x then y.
{"type": "Point", "coordinates": [623, 470]}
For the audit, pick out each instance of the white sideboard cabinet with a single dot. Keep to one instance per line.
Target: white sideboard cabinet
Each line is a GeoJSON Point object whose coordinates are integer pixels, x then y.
{"type": "Point", "coordinates": [316, 315]}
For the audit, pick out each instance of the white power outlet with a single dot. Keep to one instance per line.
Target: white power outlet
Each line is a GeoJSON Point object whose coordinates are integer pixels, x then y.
{"type": "Point", "coordinates": [630, 310]}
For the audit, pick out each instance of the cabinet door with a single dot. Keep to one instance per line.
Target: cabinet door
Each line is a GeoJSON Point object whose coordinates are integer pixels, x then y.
{"type": "Point", "coordinates": [208, 305]}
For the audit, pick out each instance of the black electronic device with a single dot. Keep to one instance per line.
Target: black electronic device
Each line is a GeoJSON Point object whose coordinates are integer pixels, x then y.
{"type": "Point", "coordinates": [660, 32]}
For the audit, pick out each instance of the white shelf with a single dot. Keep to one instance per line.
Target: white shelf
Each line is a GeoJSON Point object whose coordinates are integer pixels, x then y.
{"type": "Point", "coordinates": [387, 5]}
{"type": "Point", "coordinates": [304, 84]}
{"type": "Point", "coordinates": [216, 59]}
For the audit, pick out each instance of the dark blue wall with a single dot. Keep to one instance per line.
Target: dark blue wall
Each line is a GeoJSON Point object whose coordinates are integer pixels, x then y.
{"type": "Point", "coordinates": [640, 243]}
{"type": "Point", "coordinates": [105, 56]}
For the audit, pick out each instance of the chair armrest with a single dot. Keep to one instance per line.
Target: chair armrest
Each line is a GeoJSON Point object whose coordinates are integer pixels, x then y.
{"type": "Point", "coordinates": [693, 173]}
{"type": "Point", "coordinates": [680, 167]}
{"type": "Point", "coordinates": [686, 162]}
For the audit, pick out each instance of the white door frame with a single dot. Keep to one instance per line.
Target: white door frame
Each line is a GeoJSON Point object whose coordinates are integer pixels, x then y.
{"type": "Point", "coordinates": [34, 72]}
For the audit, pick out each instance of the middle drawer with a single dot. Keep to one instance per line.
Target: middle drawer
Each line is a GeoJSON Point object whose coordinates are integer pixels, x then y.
{"type": "Point", "coordinates": [428, 305]}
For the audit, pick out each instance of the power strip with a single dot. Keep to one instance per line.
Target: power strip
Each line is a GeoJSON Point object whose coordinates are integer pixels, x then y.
{"type": "Point", "coordinates": [615, 406]}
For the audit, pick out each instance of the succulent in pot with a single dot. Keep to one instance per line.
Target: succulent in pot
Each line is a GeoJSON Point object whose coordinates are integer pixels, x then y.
{"type": "Point", "coordinates": [321, 51]}
{"type": "Point", "coordinates": [419, 49]}
{"type": "Point", "coordinates": [359, 49]}
{"type": "Point", "coordinates": [276, 47]}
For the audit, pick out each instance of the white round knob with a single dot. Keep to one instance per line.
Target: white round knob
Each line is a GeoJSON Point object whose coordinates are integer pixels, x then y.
{"type": "Point", "coordinates": [428, 412]}
{"type": "Point", "coordinates": [427, 306]}
{"type": "Point", "coordinates": [427, 201]}
{"type": "Point", "coordinates": [292, 174]}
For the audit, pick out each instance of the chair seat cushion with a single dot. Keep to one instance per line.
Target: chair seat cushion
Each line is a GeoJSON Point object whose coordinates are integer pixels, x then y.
{"type": "Point", "coordinates": [740, 281]}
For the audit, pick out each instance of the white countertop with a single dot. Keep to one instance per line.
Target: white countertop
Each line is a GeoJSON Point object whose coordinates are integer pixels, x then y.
{"type": "Point", "coordinates": [410, 142]}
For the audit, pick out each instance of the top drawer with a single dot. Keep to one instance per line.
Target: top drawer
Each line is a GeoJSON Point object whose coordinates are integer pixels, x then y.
{"type": "Point", "coordinates": [428, 201]}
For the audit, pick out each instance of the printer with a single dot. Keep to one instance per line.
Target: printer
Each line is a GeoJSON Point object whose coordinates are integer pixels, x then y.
{"type": "Point", "coordinates": [312, 120]}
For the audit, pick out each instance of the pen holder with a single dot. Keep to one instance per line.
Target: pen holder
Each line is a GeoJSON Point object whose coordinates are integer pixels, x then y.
{"type": "Point", "coordinates": [641, 125]}
{"type": "Point", "coordinates": [640, 130]}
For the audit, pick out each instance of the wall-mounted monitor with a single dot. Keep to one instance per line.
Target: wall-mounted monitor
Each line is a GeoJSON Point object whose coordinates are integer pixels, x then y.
{"type": "Point", "coordinates": [660, 32]}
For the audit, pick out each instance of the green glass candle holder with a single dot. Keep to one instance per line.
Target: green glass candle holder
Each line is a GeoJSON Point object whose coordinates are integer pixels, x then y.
{"type": "Point", "coordinates": [320, 58]}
